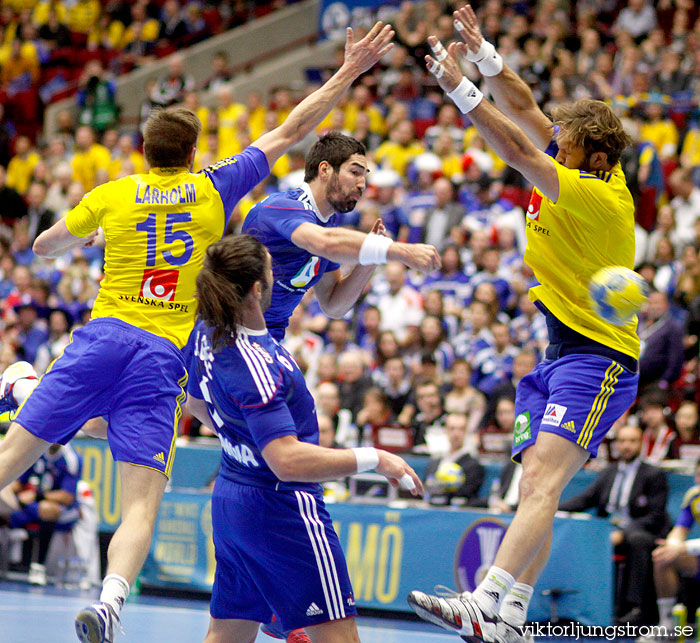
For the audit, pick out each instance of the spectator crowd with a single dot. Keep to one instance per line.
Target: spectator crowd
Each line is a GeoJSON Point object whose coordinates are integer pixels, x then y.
{"type": "Point", "coordinates": [417, 349]}
{"type": "Point", "coordinates": [49, 48]}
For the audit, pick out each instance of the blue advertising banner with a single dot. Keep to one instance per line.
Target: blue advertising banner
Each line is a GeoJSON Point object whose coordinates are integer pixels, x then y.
{"type": "Point", "coordinates": [336, 15]}
{"type": "Point", "coordinates": [391, 551]}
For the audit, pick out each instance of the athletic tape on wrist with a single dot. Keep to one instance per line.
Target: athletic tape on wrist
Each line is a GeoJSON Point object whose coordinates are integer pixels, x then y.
{"type": "Point", "coordinates": [487, 59]}
{"type": "Point", "coordinates": [374, 249]}
{"type": "Point", "coordinates": [367, 458]}
{"type": "Point", "coordinates": [466, 96]}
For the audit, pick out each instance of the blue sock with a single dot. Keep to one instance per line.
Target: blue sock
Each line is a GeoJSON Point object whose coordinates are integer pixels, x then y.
{"type": "Point", "coordinates": [25, 516]}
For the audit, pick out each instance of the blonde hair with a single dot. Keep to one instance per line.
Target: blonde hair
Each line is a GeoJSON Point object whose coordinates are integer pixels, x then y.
{"type": "Point", "coordinates": [169, 135]}
{"type": "Point", "coordinates": [593, 126]}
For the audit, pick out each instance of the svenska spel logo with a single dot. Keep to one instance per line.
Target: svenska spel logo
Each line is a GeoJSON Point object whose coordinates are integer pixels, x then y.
{"type": "Point", "coordinates": [533, 209]}
{"type": "Point", "coordinates": [476, 552]}
{"type": "Point", "coordinates": [159, 284]}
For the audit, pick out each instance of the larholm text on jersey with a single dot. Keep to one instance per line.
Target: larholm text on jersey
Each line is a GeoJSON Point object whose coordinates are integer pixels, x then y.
{"type": "Point", "coordinates": [179, 194]}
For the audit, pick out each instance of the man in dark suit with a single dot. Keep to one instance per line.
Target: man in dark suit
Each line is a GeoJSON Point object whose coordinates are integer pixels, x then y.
{"type": "Point", "coordinates": [474, 472]}
{"type": "Point", "coordinates": [39, 217]}
{"type": "Point", "coordinates": [661, 359]}
{"type": "Point", "coordinates": [632, 495]}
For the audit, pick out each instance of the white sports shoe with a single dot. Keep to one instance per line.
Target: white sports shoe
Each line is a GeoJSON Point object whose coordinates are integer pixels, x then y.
{"type": "Point", "coordinates": [97, 623]}
{"type": "Point", "coordinates": [459, 613]}
{"type": "Point", "coordinates": [37, 574]}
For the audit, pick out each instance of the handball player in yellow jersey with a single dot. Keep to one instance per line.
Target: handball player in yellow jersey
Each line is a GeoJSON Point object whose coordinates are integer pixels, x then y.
{"type": "Point", "coordinates": [126, 362]}
{"type": "Point", "coordinates": [580, 219]}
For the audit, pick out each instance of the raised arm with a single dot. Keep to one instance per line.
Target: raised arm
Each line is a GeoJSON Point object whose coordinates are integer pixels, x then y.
{"type": "Point", "coordinates": [510, 93]}
{"type": "Point", "coordinates": [359, 57]}
{"type": "Point", "coordinates": [506, 139]}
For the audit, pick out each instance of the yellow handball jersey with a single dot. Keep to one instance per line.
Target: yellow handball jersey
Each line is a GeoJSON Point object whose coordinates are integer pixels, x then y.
{"type": "Point", "coordinates": [590, 226]}
{"type": "Point", "coordinates": [157, 228]}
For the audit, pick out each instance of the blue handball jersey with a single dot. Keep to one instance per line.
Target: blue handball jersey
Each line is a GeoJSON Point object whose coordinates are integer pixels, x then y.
{"type": "Point", "coordinates": [55, 471]}
{"type": "Point", "coordinates": [294, 270]}
{"type": "Point", "coordinates": [254, 393]}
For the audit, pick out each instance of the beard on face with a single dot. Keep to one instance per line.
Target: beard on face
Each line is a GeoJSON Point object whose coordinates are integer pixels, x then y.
{"type": "Point", "coordinates": [266, 299]}
{"type": "Point", "coordinates": [340, 201]}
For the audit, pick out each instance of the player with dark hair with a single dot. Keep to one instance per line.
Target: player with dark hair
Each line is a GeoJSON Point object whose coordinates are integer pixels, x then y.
{"type": "Point", "coordinates": [271, 529]}
{"type": "Point", "coordinates": [126, 362]}
{"type": "Point", "coordinates": [299, 228]}
{"type": "Point", "coordinates": [580, 219]}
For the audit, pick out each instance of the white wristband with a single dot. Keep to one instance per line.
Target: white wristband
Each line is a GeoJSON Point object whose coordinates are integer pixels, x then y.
{"type": "Point", "coordinates": [466, 96]}
{"type": "Point", "coordinates": [693, 546]}
{"type": "Point", "coordinates": [374, 249]}
{"type": "Point", "coordinates": [487, 59]}
{"type": "Point", "coordinates": [367, 458]}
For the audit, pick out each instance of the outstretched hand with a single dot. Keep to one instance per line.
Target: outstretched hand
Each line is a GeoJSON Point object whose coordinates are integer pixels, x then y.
{"type": "Point", "coordinates": [365, 53]}
{"type": "Point", "coordinates": [443, 64]}
{"type": "Point", "coordinates": [468, 30]}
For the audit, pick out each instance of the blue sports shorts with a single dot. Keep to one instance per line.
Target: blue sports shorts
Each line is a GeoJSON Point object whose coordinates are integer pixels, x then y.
{"type": "Point", "coordinates": [578, 396]}
{"type": "Point", "coordinates": [277, 553]}
{"type": "Point", "coordinates": [113, 369]}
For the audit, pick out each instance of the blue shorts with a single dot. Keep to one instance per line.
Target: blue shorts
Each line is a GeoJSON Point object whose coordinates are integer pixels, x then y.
{"type": "Point", "coordinates": [277, 553]}
{"type": "Point", "coordinates": [114, 369]}
{"type": "Point", "coordinates": [578, 396]}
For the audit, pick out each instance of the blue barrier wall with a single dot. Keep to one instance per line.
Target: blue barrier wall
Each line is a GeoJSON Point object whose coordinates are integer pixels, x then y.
{"type": "Point", "coordinates": [390, 550]}
{"type": "Point", "coordinates": [196, 465]}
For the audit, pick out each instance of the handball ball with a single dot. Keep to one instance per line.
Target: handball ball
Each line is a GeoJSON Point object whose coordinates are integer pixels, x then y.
{"type": "Point", "coordinates": [450, 476]}
{"type": "Point", "coordinates": [617, 293]}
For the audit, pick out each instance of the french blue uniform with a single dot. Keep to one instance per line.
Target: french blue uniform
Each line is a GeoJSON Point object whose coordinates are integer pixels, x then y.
{"type": "Point", "coordinates": [276, 549]}
{"type": "Point", "coordinates": [294, 270]}
{"type": "Point", "coordinates": [54, 472]}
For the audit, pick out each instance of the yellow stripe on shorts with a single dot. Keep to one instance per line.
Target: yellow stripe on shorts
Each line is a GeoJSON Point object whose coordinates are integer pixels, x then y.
{"type": "Point", "coordinates": [182, 382]}
{"type": "Point", "coordinates": [607, 388]}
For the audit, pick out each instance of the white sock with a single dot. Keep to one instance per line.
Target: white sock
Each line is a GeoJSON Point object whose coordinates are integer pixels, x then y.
{"type": "Point", "coordinates": [115, 590]}
{"type": "Point", "coordinates": [492, 590]}
{"type": "Point", "coordinates": [666, 612]}
{"type": "Point", "coordinates": [514, 607]}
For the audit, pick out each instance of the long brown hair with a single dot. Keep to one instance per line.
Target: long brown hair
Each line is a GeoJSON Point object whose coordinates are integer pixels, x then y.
{"type": "Point", "coordinates": [592, 125]}
{"type": "Point", "coordinates": [231, 267]}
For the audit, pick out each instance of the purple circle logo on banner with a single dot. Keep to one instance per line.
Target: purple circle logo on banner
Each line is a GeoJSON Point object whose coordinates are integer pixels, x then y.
{"type": "Point", "coordinates": [476, 552]}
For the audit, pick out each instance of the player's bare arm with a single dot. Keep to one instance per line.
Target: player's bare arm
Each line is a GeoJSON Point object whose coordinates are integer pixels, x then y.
{"type": "Point", "coordinates": [506, 139]}
{"type": "Point", "coordinates": [510, 93]}
{"type": "Point", "coordinates": [343, 245]}
{"type": "Point", "coordinates": [359, 57]}
{"type": "Point", "coordinates": [295, 461]}
{"type": "Point", "coordinates": [672, 547]}
{"type": "Point", "coordinates": [56, 240]}
{"type": "Point", "coordinates": [337, 294]}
